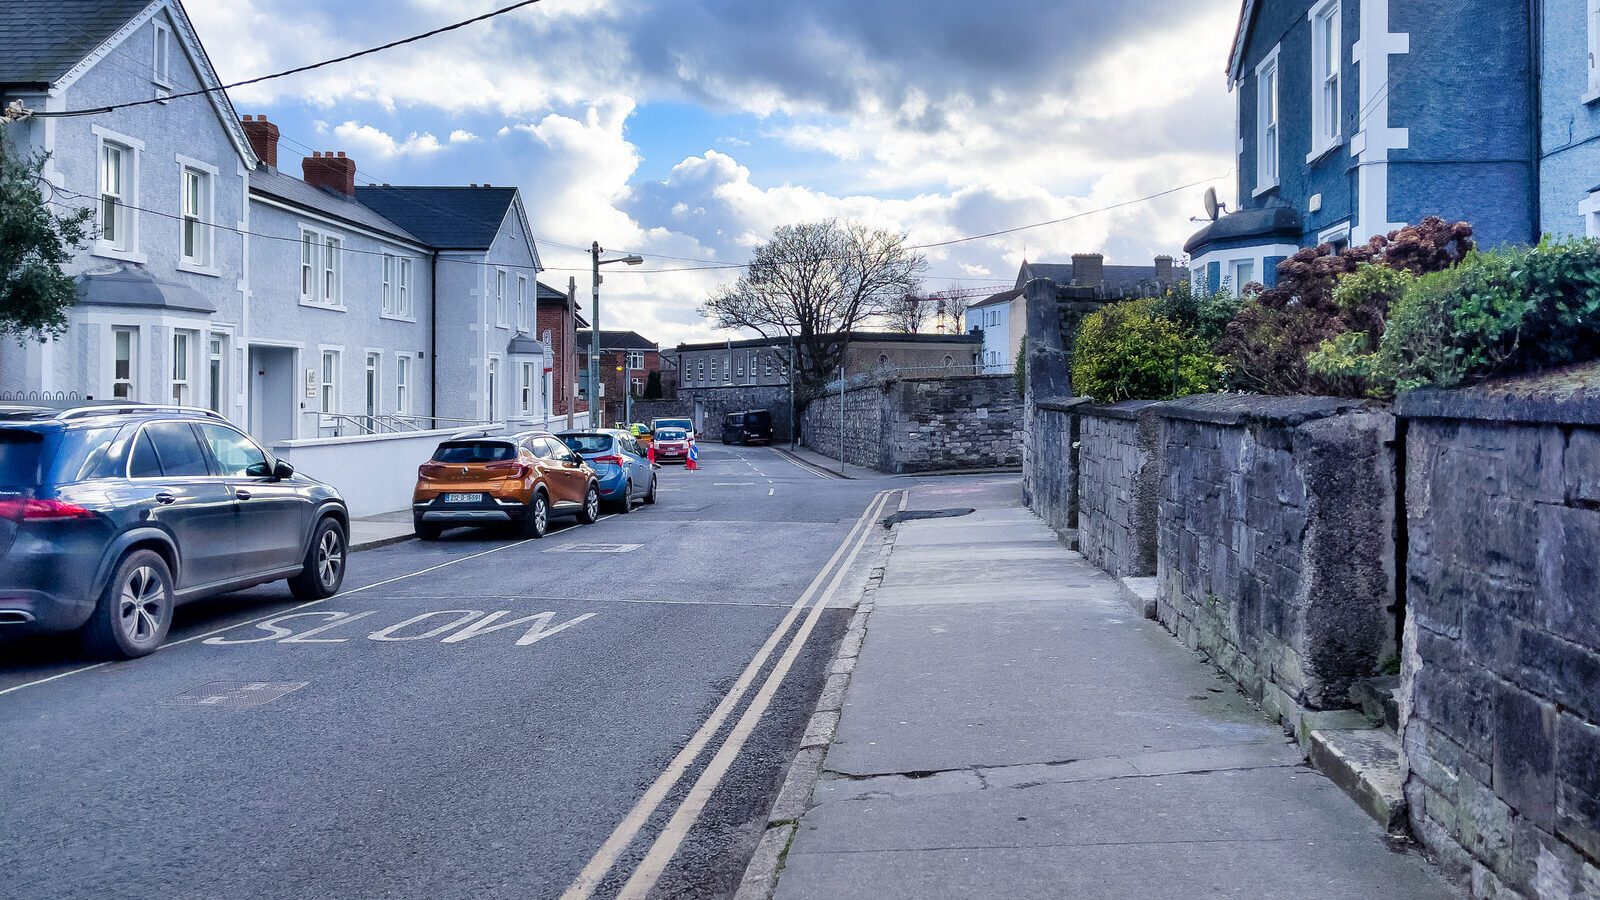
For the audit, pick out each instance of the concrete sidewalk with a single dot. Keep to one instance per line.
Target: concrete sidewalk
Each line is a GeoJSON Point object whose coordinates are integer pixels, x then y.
{"type": "Point", "coordinates": [381, 530]}
{"type": "Point", "coordinates": [1012, 730]}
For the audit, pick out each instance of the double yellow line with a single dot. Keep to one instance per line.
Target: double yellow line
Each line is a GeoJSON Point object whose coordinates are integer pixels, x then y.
{"type": "Point", "coordinates": [666, 844]}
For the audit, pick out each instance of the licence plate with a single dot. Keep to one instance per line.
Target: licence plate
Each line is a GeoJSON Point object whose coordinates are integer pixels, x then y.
{"type": "Point", "coordinates": [672, 452]}
{"type": "Point", "coordinates": [463, 498]}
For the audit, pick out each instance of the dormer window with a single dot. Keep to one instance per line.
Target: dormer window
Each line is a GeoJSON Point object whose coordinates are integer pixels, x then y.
{"type": "Point", "coordinates": [161, 65]}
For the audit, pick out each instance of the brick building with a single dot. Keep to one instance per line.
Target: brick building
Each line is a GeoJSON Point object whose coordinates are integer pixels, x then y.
{"type": "Point", "coordinates": [559, 318]}
{"type": "Point", "coordinates": [626, 360]}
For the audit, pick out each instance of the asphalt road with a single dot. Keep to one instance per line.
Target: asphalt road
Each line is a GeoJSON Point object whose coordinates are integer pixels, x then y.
{"type": "Point", "coordinates": [428, 733]}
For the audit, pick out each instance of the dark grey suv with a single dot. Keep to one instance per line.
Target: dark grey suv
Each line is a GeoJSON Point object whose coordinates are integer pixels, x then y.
{"type": "Point", "coordinates": [110, 516]}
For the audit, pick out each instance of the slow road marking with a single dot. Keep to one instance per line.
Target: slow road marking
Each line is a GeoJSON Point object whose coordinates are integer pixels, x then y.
{"type": "Point", "coordinates": [667, 842]}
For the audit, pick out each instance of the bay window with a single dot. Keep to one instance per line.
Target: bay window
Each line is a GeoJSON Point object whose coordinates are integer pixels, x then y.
{"type": "Point", "coordinates": [124, 363]}
{"type": "Point", "coordinates": [181, 348]}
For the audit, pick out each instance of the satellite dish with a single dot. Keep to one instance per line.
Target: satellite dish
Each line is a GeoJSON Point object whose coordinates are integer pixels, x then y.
{"type": "Point", "coordinates": [1212, 207]}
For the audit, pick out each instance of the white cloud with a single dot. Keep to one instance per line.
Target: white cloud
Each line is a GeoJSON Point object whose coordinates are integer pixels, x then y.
{"type": "Point", "coordinates": [366, 141]}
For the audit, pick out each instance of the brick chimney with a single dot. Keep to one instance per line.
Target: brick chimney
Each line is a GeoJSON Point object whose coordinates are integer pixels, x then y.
{"type": "Point", "coordinates": [263, 137]}
{"type": "Point", "coordinates": [1088, 269]}
{"type": "Point", "coordinates": [330, 172]}
{"type": "Point", "coordinates": [1164, 270]}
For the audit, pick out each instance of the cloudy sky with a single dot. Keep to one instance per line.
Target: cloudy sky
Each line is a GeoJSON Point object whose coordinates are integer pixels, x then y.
{"type": "Point", "coordinates": [689, 129]}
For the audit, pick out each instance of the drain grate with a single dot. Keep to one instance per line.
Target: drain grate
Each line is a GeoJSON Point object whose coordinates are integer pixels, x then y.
{"type": "Point", "coordinates": [595, 548]}
{"type": "Point", "coordinates": [236, 694]}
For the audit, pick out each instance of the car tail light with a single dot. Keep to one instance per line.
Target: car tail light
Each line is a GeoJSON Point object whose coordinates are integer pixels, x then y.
{"type": "Point", "coordinates": [36, 510]}
{"type": "Point", "coordinates": [430, 470]}
{"type": "Point", "coordinates": [611, 460]}
{"type": "Point", "coordinates": [508, 469]}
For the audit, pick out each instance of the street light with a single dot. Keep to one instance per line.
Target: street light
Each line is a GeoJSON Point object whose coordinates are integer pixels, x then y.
{"type": "Point", "coordinates": [594, 331]}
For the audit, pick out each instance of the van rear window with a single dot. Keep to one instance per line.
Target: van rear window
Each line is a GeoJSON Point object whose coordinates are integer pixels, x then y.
{"type": "Point", "coordinates": [474, 452]}
{"type": "Point", "coordinates": [20, 452]}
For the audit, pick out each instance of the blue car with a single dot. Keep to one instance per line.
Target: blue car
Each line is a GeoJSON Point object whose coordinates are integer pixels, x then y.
{"type": "Point", "coordinates": [622, 466]}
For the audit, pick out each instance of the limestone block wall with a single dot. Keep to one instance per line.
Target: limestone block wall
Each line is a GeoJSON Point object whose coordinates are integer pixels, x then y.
{"type": "Point", "coordinates": [1050, 464]}
{"type": "Point", "coordinates": [943, 424]}
{"type": "Point", "coordinates": [1502, 643]}
{"type": "Point", "coordinates": [922, 424]}
{"type": "Point", "coordinates": [1276, 554]}
{"type": "Point", "coordinates": [1119, 468]}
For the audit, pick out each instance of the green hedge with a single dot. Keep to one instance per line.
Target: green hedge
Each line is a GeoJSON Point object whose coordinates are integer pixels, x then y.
{"type": "Point", "coordinates": [1130, 351]}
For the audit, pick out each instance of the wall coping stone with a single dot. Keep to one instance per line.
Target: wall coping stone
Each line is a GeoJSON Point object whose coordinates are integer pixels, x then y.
{"type": "Point", "coordinates": [1246, 409]}
{"type": "Point", "coordinates": [1568, 396]}
{"type": "Point", "coordinates": [1126, 410]}
{"type": "Point", "coordinates": [1062, 404]}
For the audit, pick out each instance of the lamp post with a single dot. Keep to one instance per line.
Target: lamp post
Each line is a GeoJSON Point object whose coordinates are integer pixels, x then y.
{"type": "Point", "coordinates": [594, 331]}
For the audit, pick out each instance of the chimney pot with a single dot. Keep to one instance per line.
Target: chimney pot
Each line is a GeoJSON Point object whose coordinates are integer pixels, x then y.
{"type": "Point", "coordinates": [263, 137]}
{"type": "Point", "coordinates": [1164, 269]}
{"type": "Point", "coordinates": [341, 154]}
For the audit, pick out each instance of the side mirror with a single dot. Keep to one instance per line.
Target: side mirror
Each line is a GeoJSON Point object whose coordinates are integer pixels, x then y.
{"type": "Point", "coordinates": [282, 470]}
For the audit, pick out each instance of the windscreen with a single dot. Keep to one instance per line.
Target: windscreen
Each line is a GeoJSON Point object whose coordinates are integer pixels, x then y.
{"type": "Point", "coordinates": [474, 452]}
{"type": "Point", "coordinates": [588, 444]}
{"type": "Point", "coordinates": [671, 434]}
{"type": "Point", "coordinates": [20, 452]}
{"type": "Point", "coordinates": [672, 423]}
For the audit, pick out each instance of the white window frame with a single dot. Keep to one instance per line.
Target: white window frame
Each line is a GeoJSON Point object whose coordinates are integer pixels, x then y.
{"type": "Point", "coordinates": [1333, 233]}
{"type": "Point", "coordinates": [1235, 278]}
{"type": "Point", "coordinates": [372, 384]}
{"type": "Point", "coordinates": [322, 266]}
{"type": "Point", "coordinates": [635, 360]}
{"type": "Point", "coordinates": [125, 243]}
{"type": "Point", "coordinates": [491, 399]}
{"type": "Point", "coordinates": [161, 56]}
{"type": "Point", "coordinates": [527, 392]}
{"type": "Point", "coordinates": [1592, 90]}
{"type": "Point", "coordinates": [500, 298]}
{"type": "Point", "coordinates": [390, 276]}
{"type": "Point", "coordinates": [1269, 124]}
{"type": "Point", "coordinates": [180, 367]}
{"type": "Point", "coordinates": [204, 215]}
{"type": "Point", "coordinates": [132, 381]}
{"type": "Point", "coordinates": [522, 303]}
{"type": "Point", "coordinates": [1327, 77]}
{"type": "Point", "coordinates": [328, 381]}
{"type": "Point", "coordinates": [402, 383]}
{"type": "Point", "coordinates": [403, 291]}
{"type": "Point", "coordinates": [637, 385]}
{"type": "Point", "coordinates": [217, 369]}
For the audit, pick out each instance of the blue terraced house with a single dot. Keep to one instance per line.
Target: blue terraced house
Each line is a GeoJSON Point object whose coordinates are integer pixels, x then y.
{"type": "Point", "coordinates": [1355, 117]}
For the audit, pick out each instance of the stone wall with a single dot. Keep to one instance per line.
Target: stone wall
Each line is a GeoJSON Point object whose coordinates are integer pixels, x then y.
{"type": "Point", "coordinates": [707, 406]}
{"type": "Point", "coordinates": [1119, 468]}
{"type": "Point", "coordinates": [1277, 543]}
{"type": "Point", "coordinates": [922, 424]}
{"type": "Point", "coordinates": [1502, 643]}
{"type": "Point", "coordinates": [862, 425]}
{"type": "Point", "coordinates": [1050, 463]}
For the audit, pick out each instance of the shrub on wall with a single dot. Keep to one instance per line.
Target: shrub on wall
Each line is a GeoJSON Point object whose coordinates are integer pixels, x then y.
{"type": "Point", "coordinates": [1129, 351]}
{"type": "Point", "coordinates": [1269, 345]}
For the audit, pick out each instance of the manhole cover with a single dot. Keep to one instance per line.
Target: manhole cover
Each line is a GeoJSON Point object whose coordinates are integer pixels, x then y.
{"type": "Point", "coordinates": [595, 548]}
{"type": "Point", "coordinates": [237, 694]}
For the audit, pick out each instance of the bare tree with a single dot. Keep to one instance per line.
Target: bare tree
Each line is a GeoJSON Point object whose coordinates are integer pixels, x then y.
{"type": "Point", "coordinates": [815, 284]}
{"type": "Point", "coordinates": [910, 312]}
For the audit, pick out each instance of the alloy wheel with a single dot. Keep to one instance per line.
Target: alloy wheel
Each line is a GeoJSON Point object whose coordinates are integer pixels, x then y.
{"type": "Point", "coordinates": [541, 515]}
{"type": "Point", "coordinates": [143, 605]}
{"type": "Point", "coordinates": [330, 557]}
{"type": "Point", "coordinates": [591, 504]}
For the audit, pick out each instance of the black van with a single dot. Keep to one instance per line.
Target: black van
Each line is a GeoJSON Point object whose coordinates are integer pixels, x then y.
{"type": "Point", "coordinates": [752, 426]}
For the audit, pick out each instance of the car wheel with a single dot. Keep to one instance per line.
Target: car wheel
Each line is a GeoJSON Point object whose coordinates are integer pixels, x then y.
{"type": "Point", "coordinates": [323, 572]}
{"type": "Point", "coordinates": [134, 611]}
{"type": "Point", "coordinates": [590, 513]}
{"type": "Point", "coordinates": [626, 506]}
{"type": "Point", "coordinates": [536, 524]}
{"type": "Point", "coordinates": [426, 532]}
{"type": "Point", "coordinates": [650, 495]}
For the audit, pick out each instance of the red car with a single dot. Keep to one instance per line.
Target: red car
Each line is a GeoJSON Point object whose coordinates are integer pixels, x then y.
{"type": "Point", "coordinates": [672, 445]}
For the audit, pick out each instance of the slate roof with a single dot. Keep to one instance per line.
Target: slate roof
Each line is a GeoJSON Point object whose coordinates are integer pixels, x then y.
{"type": "Point", "coordinates": [997, 299]}
{"type": "Point", "coordinates": [447, 218]}
{"type": "Point", "coordinates": [546, 292]}
{"type": "Point", "coordinates": [35, 48]}
{"type": "Point", "coordinates": [618, 340]}
{"type": "Point", "coordinates": [1118, 279]}
{"type": "Point", "coordinates": [296, 192]}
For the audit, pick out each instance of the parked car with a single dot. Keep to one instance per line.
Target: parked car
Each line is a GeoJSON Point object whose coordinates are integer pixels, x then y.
{"type": "Point", "coordinates": [522, 480]}
{"type": "Point", "coordinates": [752, 426]}
{"type": "Point", "coordinates": [672, 445]}
{"type": "Point", "coordinates": [113, 515]}
{"type": "Point", "coordinates": [686, 424]}
{"type": "Point", "coordinates": [641, 433]}
{"type": "Point", "coordinates": [621, 465]}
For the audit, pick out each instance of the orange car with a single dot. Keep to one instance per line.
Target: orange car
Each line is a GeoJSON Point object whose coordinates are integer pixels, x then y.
{"type": "Point", "coordinates": [520, 480]}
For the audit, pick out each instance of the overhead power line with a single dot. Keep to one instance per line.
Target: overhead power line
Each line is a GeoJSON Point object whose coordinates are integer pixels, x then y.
{"type": "Point", "coordinates": [61, 114]}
